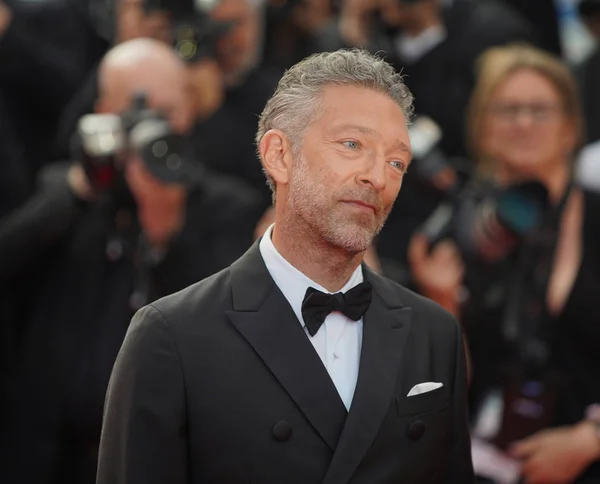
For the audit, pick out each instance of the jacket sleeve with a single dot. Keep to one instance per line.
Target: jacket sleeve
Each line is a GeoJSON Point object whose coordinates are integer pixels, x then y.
{"type": "Point", "coordinates": [143, 437]}
{"type": "Point", "coordinates": [460, 465]}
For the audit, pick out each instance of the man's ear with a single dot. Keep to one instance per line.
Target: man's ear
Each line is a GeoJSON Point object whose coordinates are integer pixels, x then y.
{"type": "Point", "coordinates": [276, 155]}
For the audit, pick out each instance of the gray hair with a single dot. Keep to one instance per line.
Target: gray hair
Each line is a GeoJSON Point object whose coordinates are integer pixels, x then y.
{"type": "Point", "coordinates": [294, 103]}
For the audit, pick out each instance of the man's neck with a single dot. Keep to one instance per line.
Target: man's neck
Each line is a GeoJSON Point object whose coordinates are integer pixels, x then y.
{"type": "Point", "coordinates": [327, 265]}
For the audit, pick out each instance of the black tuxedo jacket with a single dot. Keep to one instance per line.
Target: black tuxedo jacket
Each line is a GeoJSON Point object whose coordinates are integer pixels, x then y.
{"type": "Point", "coordinates": [219, 383]}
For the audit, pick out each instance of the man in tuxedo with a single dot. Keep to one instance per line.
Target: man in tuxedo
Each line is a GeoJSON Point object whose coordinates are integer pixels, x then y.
{"type": "Point", "coordinates": [298, 364]}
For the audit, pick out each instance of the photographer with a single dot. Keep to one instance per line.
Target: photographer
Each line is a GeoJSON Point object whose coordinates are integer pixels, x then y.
{"type": "Point", "coordinates": [140, 227]}
{"type": "Point", "coordinates": [530, 315]}
{"type": "Point", "coordinates": [43, 65]}
{"type": "Point", "coordinates": [223, 54]}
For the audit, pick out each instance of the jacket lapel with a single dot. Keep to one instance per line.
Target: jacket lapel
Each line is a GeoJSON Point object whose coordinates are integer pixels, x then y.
{"type": "Point", "coordinates": [265, 319]}
{"type": "Point", "coordinates": [386, 327]}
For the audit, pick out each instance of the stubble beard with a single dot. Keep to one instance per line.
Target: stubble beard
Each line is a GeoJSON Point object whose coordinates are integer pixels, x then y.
{"type": "Point", "coordinates": [351, 232]}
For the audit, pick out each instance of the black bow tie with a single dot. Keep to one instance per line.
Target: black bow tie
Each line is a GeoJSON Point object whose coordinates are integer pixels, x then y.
{"type": "Point", "coordinates": [317, 305]}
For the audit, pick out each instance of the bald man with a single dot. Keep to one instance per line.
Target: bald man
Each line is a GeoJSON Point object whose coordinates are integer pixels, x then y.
{"type": "Point", "coordinates": [103, 254]}
{"type": "Point", "coordinates": [233, 87]}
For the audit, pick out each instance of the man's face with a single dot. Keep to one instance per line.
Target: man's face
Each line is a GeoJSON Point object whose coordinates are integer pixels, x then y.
{"type": "Point", "coordinates": [238, 50]}
{"type": "Point", "coordinates": [350, 168]}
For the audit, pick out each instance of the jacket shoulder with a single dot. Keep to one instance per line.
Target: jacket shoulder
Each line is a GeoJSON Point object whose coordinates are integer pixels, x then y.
{"type": "Point", "coordinates": [198, 301]}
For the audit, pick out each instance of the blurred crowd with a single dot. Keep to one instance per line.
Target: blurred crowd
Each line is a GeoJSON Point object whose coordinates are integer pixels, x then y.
{"type": "Point", "coordinates": [128, 170]}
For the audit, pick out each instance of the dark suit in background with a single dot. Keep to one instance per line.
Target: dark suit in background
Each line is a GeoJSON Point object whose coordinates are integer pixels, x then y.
{"type": "Point", "coordinates": [219, 383]}
{"type": "Point", "coordinates": [80, 291]}
{"type": "Point", "coordinates": [543, 16]}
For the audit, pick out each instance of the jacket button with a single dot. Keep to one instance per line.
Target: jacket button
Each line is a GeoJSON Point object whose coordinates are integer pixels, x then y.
{"type": "Point", "coordinates": [282, 431]}
{"type": "Point", "coordinates": [415, 430]}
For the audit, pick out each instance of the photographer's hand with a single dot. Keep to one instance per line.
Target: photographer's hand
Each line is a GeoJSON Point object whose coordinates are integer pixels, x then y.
{"type": "Point", "coordinates": [438, 274]}
{"type": "Point", "coordinates": [559, 455]}
{"type": "Point", "coordinates": [78, 183]}
{"type": "Point", "coordinates": [161, 207]}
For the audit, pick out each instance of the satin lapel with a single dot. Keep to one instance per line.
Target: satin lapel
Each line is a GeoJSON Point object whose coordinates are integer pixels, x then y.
{"type": "Point", "coordinates": [386, 328]}
{"type": "Point", "coordinates": [265, 319]}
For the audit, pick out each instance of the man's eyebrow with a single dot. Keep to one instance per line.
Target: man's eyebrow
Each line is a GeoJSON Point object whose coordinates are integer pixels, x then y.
{"type": "Point", "coordinates": [400, 145]}
{"type": "Point", "coordinates": [356, 127]}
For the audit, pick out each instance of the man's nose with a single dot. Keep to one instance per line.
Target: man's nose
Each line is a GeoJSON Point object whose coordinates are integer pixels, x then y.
{"type": "Point", "coordinates": [373, 173]}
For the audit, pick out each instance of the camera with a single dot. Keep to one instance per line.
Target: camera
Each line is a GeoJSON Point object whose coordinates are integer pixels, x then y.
{"type": "Point", "coordinates": [485, 220]}
{"type": "Point", "coordinates": [102, 140]}
{"type": "Point", "coordinates": [195, 34]}
{"type": "Point", "coordinates": [488, 222]}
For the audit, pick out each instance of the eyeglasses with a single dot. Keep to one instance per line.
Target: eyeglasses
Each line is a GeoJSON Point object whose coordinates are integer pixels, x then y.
{"type": "Point", "coordinates": [539, 112]}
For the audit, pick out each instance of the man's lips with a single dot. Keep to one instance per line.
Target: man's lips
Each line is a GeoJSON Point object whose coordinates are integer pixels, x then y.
{"type": "Point", "coordinates": [361, 204]}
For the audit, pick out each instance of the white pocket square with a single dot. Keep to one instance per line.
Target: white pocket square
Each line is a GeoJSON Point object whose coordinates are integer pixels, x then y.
{"type": "Point", "coordinates": [424, 388]}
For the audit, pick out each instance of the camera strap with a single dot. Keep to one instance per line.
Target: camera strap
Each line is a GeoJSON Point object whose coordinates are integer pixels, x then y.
{"type": "Point", "coordinates": [526, 318]}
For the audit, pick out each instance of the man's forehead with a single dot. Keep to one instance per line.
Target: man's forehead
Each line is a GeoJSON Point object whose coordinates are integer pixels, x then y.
{"type": "Point", "coordinates": [349, 97]}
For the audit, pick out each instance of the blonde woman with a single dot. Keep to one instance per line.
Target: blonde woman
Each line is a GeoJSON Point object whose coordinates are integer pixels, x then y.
{"type": "Point", "coordinates": [524, 124]}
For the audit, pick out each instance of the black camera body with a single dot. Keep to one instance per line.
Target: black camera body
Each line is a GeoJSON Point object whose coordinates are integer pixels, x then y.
{"type": "Point", "coordinates": [103, 141]}
{"type": "Point", "coordinates": [484, 220]}
{"type": "Point", "coordinates": [488, 222]}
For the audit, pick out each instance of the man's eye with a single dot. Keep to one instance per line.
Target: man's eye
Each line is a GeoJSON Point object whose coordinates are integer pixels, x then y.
{"type": "Point", "coordinates": [351, 144]}
{"type": "Point", "coordinates": [399, 165]}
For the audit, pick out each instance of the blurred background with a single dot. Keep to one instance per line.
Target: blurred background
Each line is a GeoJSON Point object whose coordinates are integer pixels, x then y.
{"type": "Point", "coordinates": [128, 170]}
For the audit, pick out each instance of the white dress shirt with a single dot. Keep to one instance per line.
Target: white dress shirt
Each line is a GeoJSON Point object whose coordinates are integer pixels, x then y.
{"type": "Point", "coordinates": [338, 341]}
{"type": "Point", "coordinates": [412, 49]}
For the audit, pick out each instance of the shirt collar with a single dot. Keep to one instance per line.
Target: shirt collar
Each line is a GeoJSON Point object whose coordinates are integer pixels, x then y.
{"type": "Point", "coordinates": [291, 281]}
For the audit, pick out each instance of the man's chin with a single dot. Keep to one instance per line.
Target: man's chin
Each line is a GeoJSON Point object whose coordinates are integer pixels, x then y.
{"type": "Point", "coordinates": [353, 239]}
